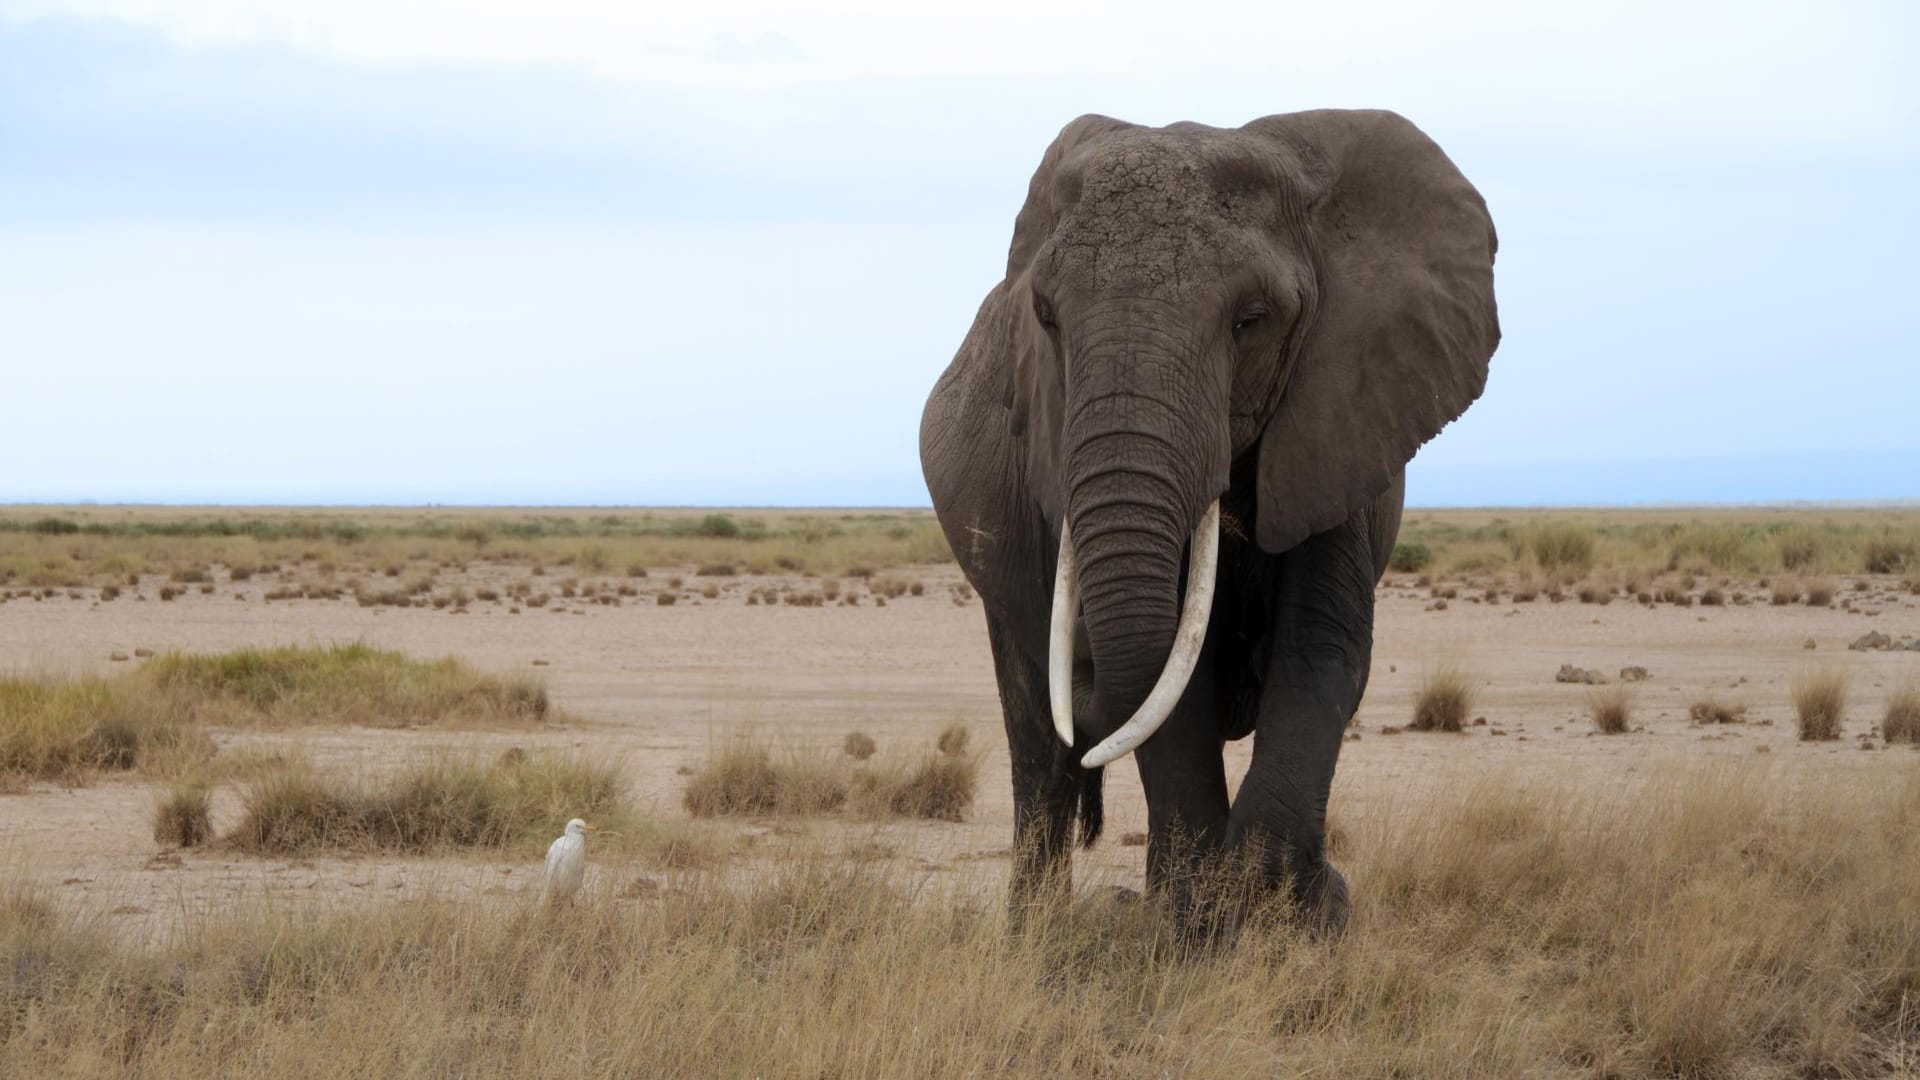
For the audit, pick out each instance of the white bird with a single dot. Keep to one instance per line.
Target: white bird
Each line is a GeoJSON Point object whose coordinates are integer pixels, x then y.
{"type": "Point", "coordinates": [567, 862]}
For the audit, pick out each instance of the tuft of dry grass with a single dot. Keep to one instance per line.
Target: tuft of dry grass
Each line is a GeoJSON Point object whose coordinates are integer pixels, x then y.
{"type": "Point", "coordinates": [742, 777]}
{"type": "Point", "coordinates": [1902, 720]}
{"type": "Point", "coordinates": [1549, 926]}
{"type": "Point", "coordinates": [1819, 592]}
{"type": "Point", "coordinates": [858, 745]}
{"type": "Point", "coordinates": [184, 816]}
{"type": "Point", "coordinates": [442, 804]}
{"type": "Point", "coordinates": [1446, 697]}
{"type": "Point", "coordinates": [1711, 710]}
{"type": "Point", "coordinates": [745, 778]}
{"type": "Point", "coordinates": [1819, 703]}
{"type": "Point", "coordinates": [953, 740]}
{"type": "Point", "coordinates": [1611, 708]}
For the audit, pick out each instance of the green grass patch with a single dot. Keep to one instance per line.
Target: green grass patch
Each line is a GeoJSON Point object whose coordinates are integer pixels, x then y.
{"type": "Point", "coordinates": [344, 684]}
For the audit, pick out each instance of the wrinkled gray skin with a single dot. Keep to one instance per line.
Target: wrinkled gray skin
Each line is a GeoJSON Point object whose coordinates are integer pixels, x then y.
{"type": "Point", "coordinates": [1278, 316]}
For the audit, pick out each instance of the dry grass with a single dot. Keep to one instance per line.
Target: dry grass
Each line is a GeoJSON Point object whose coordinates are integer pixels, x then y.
{"type": "Point", "coordinates": [1707, 922]}
{"type": "Point", "coordinates": [1902, 720]}
{"type": "Point", "coordinates": [1611, 708]}
{"type": "Point", "coordinates": [1711, 710]}
{"type": "Point", "coordinates": [1819, 703]}
{"type": "Point", "coordinates": [66, 729]}
{"type": "Point", "coordinates": [858, 745]}
{"type": "Point", "coordinates": [1446, 697]}
{"type": "Point", "coordinates": [747, 778]}
{"type": "Point", "coordinates": [521, 801]}
{"type": "Point", "coordinates": [183, 817]}
{"type": "Point", "coordinates": [343, 684]}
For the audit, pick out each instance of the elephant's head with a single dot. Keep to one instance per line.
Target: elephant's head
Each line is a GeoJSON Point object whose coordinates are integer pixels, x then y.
{"type": "Point", "coordinates": [1315, 288]}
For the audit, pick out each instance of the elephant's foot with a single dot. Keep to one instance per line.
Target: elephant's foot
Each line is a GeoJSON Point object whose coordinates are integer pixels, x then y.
{"type": "Point", "coordinates": [1326, 904]}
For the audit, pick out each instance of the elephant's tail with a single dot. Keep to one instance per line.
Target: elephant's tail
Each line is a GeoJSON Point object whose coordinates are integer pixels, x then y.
{"type": "Point", "coordinates": [1091, 805]}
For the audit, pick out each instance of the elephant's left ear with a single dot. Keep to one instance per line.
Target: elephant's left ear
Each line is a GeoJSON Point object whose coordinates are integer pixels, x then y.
{"type": "Point", "coordinates": [1403, 327]}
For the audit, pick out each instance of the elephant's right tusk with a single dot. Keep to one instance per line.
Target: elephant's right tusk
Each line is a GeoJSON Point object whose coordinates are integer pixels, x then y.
{"type": "Point", "coordinates": [1066, 608]}
{"type": "Point", "coordinates": [1187, 639]}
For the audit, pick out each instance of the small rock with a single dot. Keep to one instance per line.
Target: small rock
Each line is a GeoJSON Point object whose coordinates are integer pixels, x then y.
{"type": "Point", "coordinates": [143, 653]}
{"type": "Point", "coordinates": [1133, 839]}
{"type": "Point", "coordinates": [1634, 674]}
{"type": "Point", "coordinates": [1871, 641]}
{"type": "Point", "coordinates": [1479, 721]}
{"type": "Point", "coordinates": [1809, 645]}
{"type": "Point", "coordinates": [540, 663]}
{"type": "Point", "coordinates": [1570, 674]}
{"type": "Point", "coordinates": [117, 657]}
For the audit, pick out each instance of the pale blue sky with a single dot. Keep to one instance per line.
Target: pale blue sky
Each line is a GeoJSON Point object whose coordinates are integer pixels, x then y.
{"type": "Point", "coordinates": [382, 252]}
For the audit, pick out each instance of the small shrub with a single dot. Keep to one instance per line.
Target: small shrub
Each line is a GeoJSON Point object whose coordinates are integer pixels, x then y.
{"type": "Point", "coordinates": [858, 745]}
{"type": "Point", "coordinates": [1711, 710]}
{"type": "Point", "coordinates": [183, 818]}
{"type": "Point", "coordinates": [1798, 547]}
{"type": "Point", "coordinates": [1444, 702]}
{"type": "Point", "coordinates": [666, 599]}
{"type": "Point", "coordinates": [1784, 593]}
{"type": "Point", "coordinates": [1409, 558]}
{"type": "Point", "coordinates": [1819, 592]}
{"type": "Point", "coordinates": [1611, 708]}
{"type": "Point", "coordinates": [1713, 597]}
{"type": "Point", "coordinates": [636, 570]}
{"type": "Point", "coordinates": [718, 525]}
{"type": "Point", "coordinates": [1819, 703]}
{"type": "Point", "coordinates": [1902, 721]}
{"type": "Point", "coordinates": [1560, 545]}
{"type": "Point", "coordinates": [717, 570]}
{"type": "Point", "coordinates": [1886, 555]}
{"type": "Point", "coordinates": [953, 740]}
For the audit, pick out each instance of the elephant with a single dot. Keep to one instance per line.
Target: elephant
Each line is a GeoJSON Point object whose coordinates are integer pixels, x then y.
{"type": "Point", "coordinates": [1169, 457]}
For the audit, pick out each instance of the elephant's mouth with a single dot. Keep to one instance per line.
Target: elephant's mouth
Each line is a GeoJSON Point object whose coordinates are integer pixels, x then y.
{"type": "Point", "coordinates": [1203, 562]}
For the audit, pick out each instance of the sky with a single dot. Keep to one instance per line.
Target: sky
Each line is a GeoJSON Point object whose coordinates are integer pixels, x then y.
{"type": "Point", "coordinates": [348, 251]}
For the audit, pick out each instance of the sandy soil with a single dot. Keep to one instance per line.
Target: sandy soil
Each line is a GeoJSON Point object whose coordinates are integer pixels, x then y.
{"type": "Point", "coordinates": [656, 686]}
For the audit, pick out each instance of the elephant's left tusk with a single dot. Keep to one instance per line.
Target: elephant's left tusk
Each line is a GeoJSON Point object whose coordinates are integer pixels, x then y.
{"type": "Point", "coordinates": [1066, 608]}
{"type": "Point", "coordinates": [1187, 639]}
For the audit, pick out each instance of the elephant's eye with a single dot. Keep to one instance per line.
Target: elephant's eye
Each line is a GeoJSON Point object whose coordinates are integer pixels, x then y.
{"type": "Point", "coordinates": [1043, 311]}
{"type": "Point", "coordinates": [1248, 319]}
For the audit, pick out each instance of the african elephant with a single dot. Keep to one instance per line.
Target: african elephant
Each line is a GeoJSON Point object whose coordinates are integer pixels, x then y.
{"type": "Point", "coordinates": [1213, 349]}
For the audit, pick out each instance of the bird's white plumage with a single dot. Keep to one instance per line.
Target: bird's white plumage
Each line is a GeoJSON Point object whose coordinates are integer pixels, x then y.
{"type": "Point", "coordinates": [567, 861]}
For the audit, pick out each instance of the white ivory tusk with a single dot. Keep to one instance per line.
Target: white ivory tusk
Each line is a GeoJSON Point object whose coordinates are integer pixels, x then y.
{"type": "Point", "coordinates": [1192, 633]}
{"type": "Point", "coordinates": [1066, 608]}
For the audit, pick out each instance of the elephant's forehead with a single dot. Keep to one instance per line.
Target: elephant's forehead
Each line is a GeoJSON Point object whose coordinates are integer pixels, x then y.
{"type": "Point", "coordinates": [1145, 209]}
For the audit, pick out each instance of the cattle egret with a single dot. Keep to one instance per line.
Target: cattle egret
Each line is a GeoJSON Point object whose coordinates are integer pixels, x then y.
{"type": "Point", "coordinates": [567, 861]}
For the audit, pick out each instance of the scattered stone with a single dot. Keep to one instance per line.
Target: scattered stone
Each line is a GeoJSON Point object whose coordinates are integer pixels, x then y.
{"type": "Point", "coordinates": [1570, 674]}
{"type": "Point", "coordinates": [1809, 645]}
{"type": "Point", "coordinates": [1634, 674]}
{"type": "Point", "coordinates": [1133, 839]}
{"type": "Point", "coordinates": [541, 663]}
{"type": "Point", "coordinates": [117, 657]}
{"type": "Point", "coordinates": [1389, 730]}
{"type": "Point", "coordinates": [1479, 721]}
{"type": "Point", "coordinates": [143, 653]}
{"type": "Point", "coordinates": [1871, 641]}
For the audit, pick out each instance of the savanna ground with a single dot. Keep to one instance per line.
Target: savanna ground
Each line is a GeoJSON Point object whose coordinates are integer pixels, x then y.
{"type": "Point", "coordinates": [1704, 893]}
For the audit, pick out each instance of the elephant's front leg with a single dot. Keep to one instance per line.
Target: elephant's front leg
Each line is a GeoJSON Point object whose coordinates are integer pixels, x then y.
{"type": "Point", "coordinates": [1322, 648]}
{"type": "Point", "coordinates": [1185, 783]}
{"type": "Point", "coordinates": [1048, 784]}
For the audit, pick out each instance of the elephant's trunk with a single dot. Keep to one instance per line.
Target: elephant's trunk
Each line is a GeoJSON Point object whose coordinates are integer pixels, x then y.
{"type": "Point", "coordinates": [1142, 433]}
